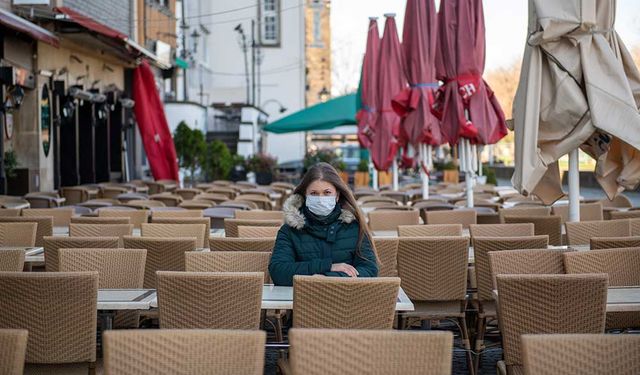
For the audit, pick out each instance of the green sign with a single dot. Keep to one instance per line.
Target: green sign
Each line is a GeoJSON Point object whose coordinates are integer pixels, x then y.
{"type": "Point", "coordinates": [45, 119]}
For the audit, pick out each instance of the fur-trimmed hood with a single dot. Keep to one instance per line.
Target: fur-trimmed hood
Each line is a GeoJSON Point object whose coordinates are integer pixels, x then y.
{"type": "Point", "coordinates": [294, 217]}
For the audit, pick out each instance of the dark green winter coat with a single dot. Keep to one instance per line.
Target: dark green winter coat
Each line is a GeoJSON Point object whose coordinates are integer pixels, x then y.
{"type": "Point", "coordinates": [309, 245]}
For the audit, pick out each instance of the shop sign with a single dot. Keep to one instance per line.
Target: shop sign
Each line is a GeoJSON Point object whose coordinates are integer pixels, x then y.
{"type": "Point", "coordinates": [45, 119]}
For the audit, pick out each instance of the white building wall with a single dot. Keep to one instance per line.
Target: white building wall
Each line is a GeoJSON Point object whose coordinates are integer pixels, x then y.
{"type": "Point", "coordinates": [193, 114]}
{"type": "Point", "coordinates": [282, 68]}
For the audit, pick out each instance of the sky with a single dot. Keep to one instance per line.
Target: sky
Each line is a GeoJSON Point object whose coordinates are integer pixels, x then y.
{"type": "Point", "coordinates": [506, 28]}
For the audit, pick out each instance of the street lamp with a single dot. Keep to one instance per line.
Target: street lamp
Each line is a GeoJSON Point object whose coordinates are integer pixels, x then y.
{"type": "Point", "coordinates": [323, 95]}
{"type": "Point", "coordinates": [195, 35]}
{"type": "Point", "coordinates": [282, 109]}
{"type": "Point", "coordinates": [242, 41]}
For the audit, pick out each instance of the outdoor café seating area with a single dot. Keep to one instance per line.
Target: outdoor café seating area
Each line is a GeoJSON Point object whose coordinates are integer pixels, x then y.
{"type": "Point", "coordinates": [150, 278]}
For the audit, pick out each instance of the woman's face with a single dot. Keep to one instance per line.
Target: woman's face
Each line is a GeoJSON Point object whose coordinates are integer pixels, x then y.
{"type": "Point", "coordinates": [321, 188]}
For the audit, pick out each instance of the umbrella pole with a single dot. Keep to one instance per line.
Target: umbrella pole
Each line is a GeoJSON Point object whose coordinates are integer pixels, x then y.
{"type": "Point", "coordinates": [466, 165]}
{"type": "Point", "coordinates": [425, 151]}
{"type": "Point", "coordinates": [394, 170]}
{"type": "Point", "coordinates": [574, 186]}
{"type": "Point", "coordinates": [480, 172]}
{"type": "Point", "coordinates": [374, 174]}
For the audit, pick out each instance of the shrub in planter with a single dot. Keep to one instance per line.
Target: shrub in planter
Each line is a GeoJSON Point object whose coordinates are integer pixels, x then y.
{"type": "Point", "coordinates": [362, 178]}
{"type": "Point", "coordinates": [239, 168]}
{"type": "Point", "coordinates": [263, 166]}
{"type": "Point", "coordinates": [190, 147]}
{"type": "Point", "coordinates": [218, 161]}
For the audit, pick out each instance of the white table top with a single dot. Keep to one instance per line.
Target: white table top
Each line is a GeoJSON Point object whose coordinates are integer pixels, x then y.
{"type": "Point", "coordinates": [273, 298]}
{"type": "Point", "coordinates": [618, 299]}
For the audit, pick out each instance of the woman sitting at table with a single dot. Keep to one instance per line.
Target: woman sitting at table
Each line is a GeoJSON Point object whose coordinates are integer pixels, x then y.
{"type": "Point", "coordinates": [324, 232]}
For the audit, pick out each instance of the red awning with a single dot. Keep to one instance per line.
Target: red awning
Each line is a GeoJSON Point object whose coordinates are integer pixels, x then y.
{"type": "Point", "coordinates": [20, 24]}
{"type": "Point", "coordinates": [89, 23]}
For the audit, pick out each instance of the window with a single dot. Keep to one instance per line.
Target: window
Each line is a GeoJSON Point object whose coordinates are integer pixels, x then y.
{"type": "Point", "coordinates": [269, 22]}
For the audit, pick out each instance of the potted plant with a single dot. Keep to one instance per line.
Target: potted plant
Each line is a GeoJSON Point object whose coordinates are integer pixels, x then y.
{"type": "Point", "coordinates": [218, 161]}
{"type": "Point", "coordinates": [239, 168]}
{"type": "Point", "coordinates": [450, 172]}
{"type": "Point", "coordinates": [190, 148]}
{"type": "Point", "coordinates": [362, 177]}
{"type": "Point", "coordinates": [263, 166]}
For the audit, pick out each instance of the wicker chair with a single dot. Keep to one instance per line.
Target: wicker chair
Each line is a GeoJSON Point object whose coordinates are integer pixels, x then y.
{"type": "Point", "coordinates": [176, 214]}
{"type": "Point", "coordinates": [112, 192]}
{"type": "Point", "coordinates": [11, 260]}
{"type": "Point", "coordinates": [620, 201]}
{"type": "Point", "coordinates": [99, 220]}
{"type": "Point", "coordinates": [581, 354]}
{"type": "Point", "coordinates": [580, 233]}
{"type": "Point", "coordinates": [152, 352]}
{"type": "Point", "coordinates": [101, 230]}
{"type": "Point", "coordinates": [532, 304]}
{"type": "Point", "coordinates": [619, 215]}
{"type": "Point", "coordinates": [263, 202]}
{"type": "Point", "coordinates": [212, 198]}
{"type": "Point", "coordinates": [588, 212]}
{"type": "Point", "coordinates": [117, 269]}
{"type": "Point", "coordinates": [228, 192]}
{"type": "Point", "coordinates": [75, 194]}
{"type": "Point", "coordinates": [10, 212]}
{"type": "Point", "coordinates": [163, 254]}
{"type": "Point", "coordinates": [241, 244]}
{"type": "Point", "coordinates": [169, 200]}
{"type": "Point", "coordinates": [621, 265]}
{"type": "Point", "coordinates": [501, 230]}
{"type": "Point", "coordinates": [211, 300]}
{"type": "Point", "coordinates": [549, 225]}
{"type": "Point", "coordinates": [464, 217]}
{"type": "Point", "coordinates": [231, 225]}
{"type": "Point", "coordinates": [344, 303]}
{"type": "Point", "coordinates": [197, 205]}
{"type": "Point", "coordinates": [375, 198]}
{"type": "Point", "coordinates": [144, 204]}
{"type": "Point", "coordinates": [242, 205]}
{"type": "Point", "coordinates": [53, 244]}
{"type": "Point", "coordinates": [13, 348]}
{"type": "Point", "coordinates": [601, 243]}
{"type": "Point", "coordinates": [387, 252]}
{"type": "Point", "coordinates": [260, 215]}
{"type": "Point", "coordinates": [433, 230]}
{"type": "Point", "coordinates": [485, 303]}
{"type": "Point", "coordinates": [635, 226]}
{"type": "Point", "coordinates": [59, 332]}
{"type": "Point", "coordinates": [316, 352]}
{"type": "Point", "coordinates": [18, 234]}
{"type": "Point", "coordinates": [61, 217]}
{"type": "Point", "coordinates": [434, 276]}
{"type": "Point", "coordinates": [44, 200]}
{"type": "Point", "coordinates": [136, 217]}
{"type": "Point", "coordinates": [188, 194]}
{"type": "Point", "coordinates": [188, 220]}
{"type": "Point", "coordinates": [399, 196]}
{"type": "Point", "coordinates": [257, 232]}
{"type": "Point", "coordinates": [229, 261]}
{"type": "Point", "coordinates": [524, 211]}
{"type": "Point", "coordinates": [390, 220]}
{"type": "Point", "coordinates": [526, 262]}
{"type": "Point", "coordinates": [44, 226]}
{"type": "Point", "coordinates": [381, 205]}
{"type": "Point", "coordinates": [197, 231]}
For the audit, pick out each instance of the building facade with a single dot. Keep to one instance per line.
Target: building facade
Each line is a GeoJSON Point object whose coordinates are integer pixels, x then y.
{"type": "Point", "coordinates": [318, 51]}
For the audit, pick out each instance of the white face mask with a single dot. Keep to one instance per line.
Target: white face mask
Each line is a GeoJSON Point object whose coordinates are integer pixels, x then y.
{"type": "Point", "coordinates": [321, 206]}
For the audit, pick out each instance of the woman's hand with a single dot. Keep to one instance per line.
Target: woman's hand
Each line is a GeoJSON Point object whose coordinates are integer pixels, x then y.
{"type": "Point", "coordinates": [345, 268]}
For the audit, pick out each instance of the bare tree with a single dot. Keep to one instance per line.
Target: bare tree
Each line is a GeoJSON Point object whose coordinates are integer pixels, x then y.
{"type": "Point", "coordinates": [345, 74]}
{"type": "Point", "coordinates": [504, 83]}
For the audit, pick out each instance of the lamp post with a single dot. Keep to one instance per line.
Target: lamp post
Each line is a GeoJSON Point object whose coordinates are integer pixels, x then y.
{"type": "Point", "coordinates": [282, 108]}
{"type": "Point", "coordinates": [242, 41]}
{"type": "Point", "coordinates": [324, 95]}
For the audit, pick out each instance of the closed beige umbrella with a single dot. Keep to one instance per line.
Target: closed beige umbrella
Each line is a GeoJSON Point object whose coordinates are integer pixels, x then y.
{"type": "Point", "coordinates": [579, 88]}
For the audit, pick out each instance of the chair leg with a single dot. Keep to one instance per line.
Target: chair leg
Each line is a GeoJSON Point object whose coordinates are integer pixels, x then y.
{"type": "Point", "coordinates": [481, 328]}
{"type": "Point", "coordinates": [92, 368]}
{"type": "Point", "coordinates": [464, 332]}
{"type": "Point", "coordinates": [278, 327]}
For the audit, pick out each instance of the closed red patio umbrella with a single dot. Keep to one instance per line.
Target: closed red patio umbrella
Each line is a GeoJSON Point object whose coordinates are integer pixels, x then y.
{"type": "Point", "coordinates": [366, 116]}
{"type": "Point", "coordinates": [391, 81]}
{"type": "Point", "coordinates": [466, 105]}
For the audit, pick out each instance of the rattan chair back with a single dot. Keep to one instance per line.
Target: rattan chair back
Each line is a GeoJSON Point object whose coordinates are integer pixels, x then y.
{"type": "Point", "coordinates": [588, 212]}
{"type": "Point", "coordinates": [61, 216]}
{"type": "Point", "coordinates": [59, 311]}
{"type": "Point", "coordinates": [163, 254]}
{"type": "Point", "coordinates": [99, 220]}
{"type": "Point", "coordinates": [580, 233]}
{"type": "Point", "coordinates": [136, 217]}
{"type": "Point", "coordinates": [44, 226]}
{"type": "Point", "coordinates": [430, 230]}
{"type": "Point", "coordinates": [344, 303]}
{"type": "Point", "coordinates": [18, 234]}
{"type": "Point", "coordinates": [257, 232]}
{"type": "Point", "coordinates": [101, 230]}
{"type": "Point", "coordinates": [387, 252]}
{"type": "Point", "coordinates": [262, 201]}
{"type": "Point", "coordinates": [13, 347]}
{"type": "Point", "coordinates": [600, 243]}
{"type": "Point", "coordinates": [390, 220]}
{"type": "Point", "coordinates": [549, 225]}
{"type": "Point", "coordinates": [532, 304]}
{"type": "Point", "coordinates": [260, 215]}
{"type": "Point", "coordinates": [11, 260]}
{"type": "Point", "coordinates": [619, 215]}
{"type": "Point", "coordinates": [464, 217]}
{"type": "Point", "coordinates": [54, 243]}
{"type": "Point", "coordinates": [175, 214]}
{"type": "Point", "coordinates": [483, 245]}
{"type": "Point", "coordinates": [210, 300]}
{"type": "Point", "coordinates": [231, 225]}
{"type": "Point", "coordinates": [526, 262]}
{"type": "Point", "coordinates": [524, 211]}
{"type": "Point", "coordinates": [229, 261]}
{"type": "Point", "coordinates": [74, 194]}
{"type": "Point", "coordinates": [10, 212]}
{"type": "Point", "coordinates": [434, 269]}
{"type": "Point", "coordinates": [501, 230]}
{"type": "Point", "coordinates": [117, 268]}
{"type": "Point", "coordinates": [197, 231]}
{"type": "Point", "coordinates": [152, 352]}
{"type": "Point", "coordinates": [317, 351]}
{"type": "Point", "coordinates": [188, 194]}
{"type": "Point", "coordinates": [241, 244]}
{"type": "Point", "coordinates": [581, 354]}
{"type": "Point", "coordinates": [169, 200]}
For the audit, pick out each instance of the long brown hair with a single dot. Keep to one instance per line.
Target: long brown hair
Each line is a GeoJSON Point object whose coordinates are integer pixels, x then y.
{"type": "Point", "coordinates": [326, 172]}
